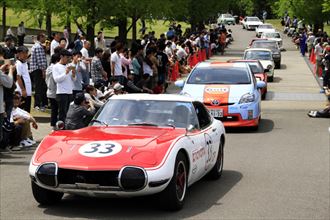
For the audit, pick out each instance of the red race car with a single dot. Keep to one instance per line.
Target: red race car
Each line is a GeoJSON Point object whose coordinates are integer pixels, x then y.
{"type": "Point", "coordinates": [259, 72]}
{"type": "Point", "coordinates": [137, 144]}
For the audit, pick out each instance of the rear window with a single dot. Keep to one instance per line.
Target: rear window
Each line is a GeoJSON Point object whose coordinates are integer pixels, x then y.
{"type": "Point", "coordinates": [257, 55]}
{"type": "Point", "coordinates": [230, 75]}
{"type": "Point", "coordinates": [252, 19]}
{"type": "Point", "coordinates": [272, 35]}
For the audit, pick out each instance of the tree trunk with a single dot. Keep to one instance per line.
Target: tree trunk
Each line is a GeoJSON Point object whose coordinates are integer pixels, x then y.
{"type": "Point", "coordinates": [49, 24]}
{"type": "Point", "coordinates": [143, 26]}
{"type": "Point", "coordinates": [4, 20]}
{"type": "Point", "coordinates": [122, 29]}
{"type": "Point", "coordinates": [134, 28]}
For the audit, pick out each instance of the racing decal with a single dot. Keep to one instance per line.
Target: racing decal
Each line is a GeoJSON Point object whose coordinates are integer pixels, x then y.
{"type": "Point", "coordinates": [198, 154]}
{"type": "Point", "coordinates": [214, 95]}
{"type": "Point", "coordinates": [210, 151]}
{"type": "Point", "coordinates": [100, 149]}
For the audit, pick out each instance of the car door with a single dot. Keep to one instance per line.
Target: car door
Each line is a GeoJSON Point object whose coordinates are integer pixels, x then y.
{"type": "Point", "coordinates": [209, 139]}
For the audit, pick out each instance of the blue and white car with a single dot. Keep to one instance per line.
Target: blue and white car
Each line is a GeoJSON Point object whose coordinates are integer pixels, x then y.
{"type": "Point", "coordinates": [229, 91]}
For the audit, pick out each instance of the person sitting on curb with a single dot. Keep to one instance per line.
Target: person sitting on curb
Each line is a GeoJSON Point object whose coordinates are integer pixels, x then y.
{"type": "Point", "coordinates": [80, 113]}
{"type": "Point", "coordinates": [22, 118]}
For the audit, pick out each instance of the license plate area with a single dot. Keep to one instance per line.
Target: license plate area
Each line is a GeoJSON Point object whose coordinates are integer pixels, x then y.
{"type": "Point", "coordinates": [216, 113]}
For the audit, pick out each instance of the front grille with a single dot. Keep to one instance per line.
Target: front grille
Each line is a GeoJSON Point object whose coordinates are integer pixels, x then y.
{"type": "Point", "coordinates": [103, 178]}
{"type": "Point", "coordinates": [221, 104]}
{"type": "Point", "coordinates": [228, 118]}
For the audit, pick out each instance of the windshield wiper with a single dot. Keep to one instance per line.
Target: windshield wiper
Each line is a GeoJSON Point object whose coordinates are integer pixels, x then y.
{"type": "Point", "coordinates": [142, 124]}
{"type": "Point", "coordinates": [170, 125]}
{"type": "Point", "coordinates": [100, 122]}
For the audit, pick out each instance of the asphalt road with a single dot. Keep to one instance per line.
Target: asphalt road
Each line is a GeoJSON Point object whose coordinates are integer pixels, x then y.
{"type": "Point", "coordinates": [278, 172]}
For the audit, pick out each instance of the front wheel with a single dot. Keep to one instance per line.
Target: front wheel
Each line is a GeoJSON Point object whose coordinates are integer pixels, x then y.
{"type": "Point", "coordinates": [216, 171]}
{"type": "Point", "coordinates": [45, 196]}
{"type": "Point", "coordinates": [173, 197]}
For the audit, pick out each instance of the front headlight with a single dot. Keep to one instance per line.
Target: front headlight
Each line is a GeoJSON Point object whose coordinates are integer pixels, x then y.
{"type": "Point", "coordinates": [269, 67]}
{"type": "Point", "coordinates": [47, 174]}
{"type": "Point", "coordinates": [247, 98]}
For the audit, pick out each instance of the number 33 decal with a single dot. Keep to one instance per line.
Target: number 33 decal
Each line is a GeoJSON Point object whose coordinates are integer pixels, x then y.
{"type": "Point", "coordinates": [100, 149]}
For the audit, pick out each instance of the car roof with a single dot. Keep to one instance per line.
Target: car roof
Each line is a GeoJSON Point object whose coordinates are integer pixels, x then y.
{"type": "Point", "coordinates": [219, 65]}
{"type": "Point", "coordinates": [265, 41]}
{"type": "Point", "coordinates": [258, 49]}
{"type": "Point", "coordinates": [153, 97]}
{"type": "Point", "coordinates": [275, 32]}
{"type": "Point", "coordinates": [243, 61]}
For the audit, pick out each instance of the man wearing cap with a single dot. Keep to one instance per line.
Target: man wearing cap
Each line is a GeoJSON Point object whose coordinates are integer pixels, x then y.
{"type": "Point", "coordinates": [38, 72]}
{"type": "Point", "coordinates": [24, 85]}
{"type": "Point", "coordinates": [80, 113]}
{"type": "Point", "coordinates": [64, 75]}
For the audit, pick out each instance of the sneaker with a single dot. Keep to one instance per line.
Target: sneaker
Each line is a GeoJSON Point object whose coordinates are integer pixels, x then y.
{"type": "Point", "coordinates": [17, 148]}
{"type": "Point", "coordinates": [43, 109]}
{"type": "Point", "coordinates": [25, 143]}
{"type": "Point", "coordinates": [321, 78]}
{"type": "Point", "coordinates": [37, 108]}
{"type": "Point", "coordinates": [31, 141]}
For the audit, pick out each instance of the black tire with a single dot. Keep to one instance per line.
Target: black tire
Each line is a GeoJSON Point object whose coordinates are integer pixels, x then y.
{"type": "Point", "coordinates": [173, 197]}
{"type": "Point", "coordinates": [278, 65]}
{"type": "Point", "coordinates": [217, 169]}
{"type": "Point", "coordinates": [271, 79]}
{"type": "Point", "coordinates": [45, 196]}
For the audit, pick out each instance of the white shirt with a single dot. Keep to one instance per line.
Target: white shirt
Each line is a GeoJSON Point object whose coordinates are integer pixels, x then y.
{"type": "Point", "coordinates": [64, 81]}
{"type": "Point", "coordinates": [115, 58]}
{"type": "Point", "coordinates": [181, 53]}
{"type": "Point", "coordinates": [168, 51]}
{"type": "Point", "coordinates": [53, 45]}
{"type": "Point", "coordinates": [23, 71]}
{"type": "Point", "coordinates": [99, 44]}
{"type": "Point", "coordinates": [147, 69]}
{"type": "Point", "coordinates": [85, 54]}
{"type": "Point", "coordinates": [318, 52]}
{"type": "Point", "coordinates": [19, 113]}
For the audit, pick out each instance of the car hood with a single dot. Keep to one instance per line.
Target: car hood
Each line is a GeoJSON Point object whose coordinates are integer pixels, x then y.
{"type": "Point", "coordinates": [135, 146]}
{"type": "Point", "coordinates": [265, 30]}
{"type": "Point", "coordinates": [222, 93]}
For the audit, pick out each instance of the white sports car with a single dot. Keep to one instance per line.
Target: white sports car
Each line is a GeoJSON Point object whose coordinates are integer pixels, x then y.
{"type": "Point", "coordinates": [264, 28]}
{"type": "Point", "coordinates": [137, 144]}
{"type": "Point", "coordinates": [251, 23]}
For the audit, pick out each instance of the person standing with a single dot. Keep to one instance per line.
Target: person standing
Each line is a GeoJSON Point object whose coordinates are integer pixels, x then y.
{"type": "Point", "coordinates": [6, 81]}
{"type": "Point", "coordinates": [302, 43]}
{"type": "Point", "coordinates": [9, 48]}
{"type": "Point", "coordinates": [55, 43]}
{"type": "Point", "coordinates": [51, 90]}
{"type": "Point", "coordinates": [99, 76]}
{"type": "Point", "coordinates": [63, 75]}
{"type": "Point", "coordinates": [38, 68]}
{"type": "Point", "coordinates": [163, 63]}
{"type": "Point", "coordinates": [319, 56]}
{"type": "Point", "coordinates": [99, 41]}
{"type": "Point", "coordinates": [86, 62]}
{"type": "Point", "coordinates": [116, 65]}
{"type": "Point", "coordinates": [24, 85]}
{"type": "Point", "coordinates": [76, 63]}
{"type": "Point", "coordinates": [21, 33]}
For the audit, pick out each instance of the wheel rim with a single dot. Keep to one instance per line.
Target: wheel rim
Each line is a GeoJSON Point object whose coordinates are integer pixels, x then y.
{"type": "Point", "coordinates": [220, 158]}
{"type": "Point", "coordinates": [181, 179]}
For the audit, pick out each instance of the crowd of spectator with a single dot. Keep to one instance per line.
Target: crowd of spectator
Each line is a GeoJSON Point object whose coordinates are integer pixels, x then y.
{"type": "Point", "coordinates": [74, 80]}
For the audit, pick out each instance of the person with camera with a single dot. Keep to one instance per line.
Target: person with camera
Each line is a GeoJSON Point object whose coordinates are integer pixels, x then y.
{"type": "Point", "coordinates": [81, 111]}
{"type": "Point", "coordinates": [64, 75]}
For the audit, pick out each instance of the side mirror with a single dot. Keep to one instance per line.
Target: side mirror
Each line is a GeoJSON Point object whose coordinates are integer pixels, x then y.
{"type": "Point", "coordinates": [59, 125]}
{"type": "Point", "coordinates": [261, 84]}
{"type": "Point", "coordinates": [190, 128]}
{"type": "Point", "coordinates": [179, 83]}
{"type": "Point", "coordinates": [266, 70]}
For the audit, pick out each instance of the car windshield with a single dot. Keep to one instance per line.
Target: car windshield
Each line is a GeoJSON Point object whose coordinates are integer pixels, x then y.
{"type": "Point", "coordinates": [257, 55]}
{"type": "Point", "coordinates": [146, 113]}
{"type": "Point", "coordinates": [265, 26]}
{"type": "Point", "coordinates": [228, 75]}
{"type": "Point", "coordinates": [252, 19]}
{"type": "Point", "coordinates": [227, 16]}
{"type": "Point", "coordinates": [272, 35]}
{"type": "Point", "coordinates": [265, 44]}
